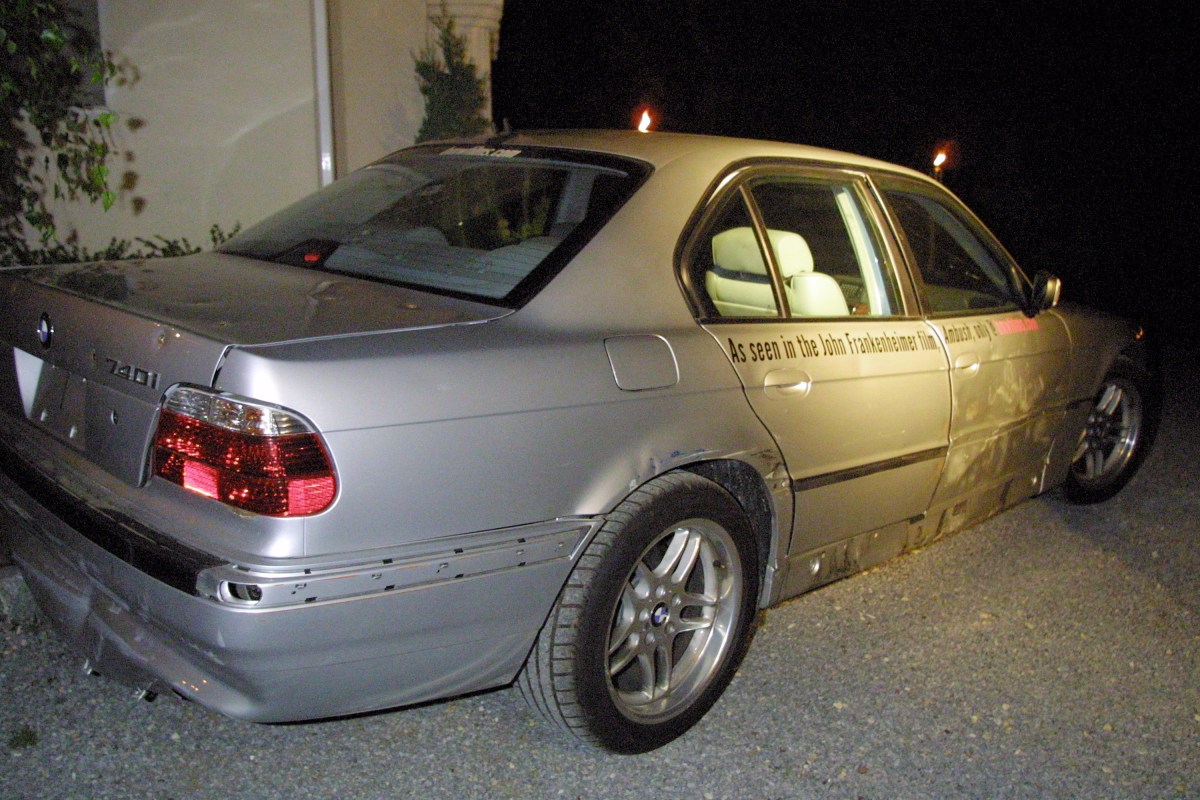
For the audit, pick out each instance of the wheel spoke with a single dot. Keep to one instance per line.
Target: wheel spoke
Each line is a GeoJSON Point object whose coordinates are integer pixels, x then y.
{"type": "Point", "coordinates": [680, 556]}
{"type": "Point", "coordinates": [1110, 401]}
{"type": "Point", "coordinates": [1084, 446]}
{"type": "Point", "coordinates": [690, 624]}
{"type": "Point", "coordinates": [642, 580]}
{"type": "Point", "coordinates": [664, 666]}
{"type": "Point", "coordinates": [688, 557]}
{"type": "Point", "coordinates": [646, 664]}
{"type": "Point", "coordinates": [696, 600]}
{"type": "Point", "coordinates": [623, 625]}
{"type": "Point", "coordinates": [625, 653]}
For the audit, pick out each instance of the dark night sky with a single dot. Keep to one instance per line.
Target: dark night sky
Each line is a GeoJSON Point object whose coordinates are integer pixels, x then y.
{"type": "Point", "coordinates": [1068, 118]}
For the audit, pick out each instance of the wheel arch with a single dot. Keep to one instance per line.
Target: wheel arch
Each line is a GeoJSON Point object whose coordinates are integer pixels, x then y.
{"type": "Point", "coordinates": [749, 488]}
{"type": "Point", "coordinates": [1137, 355]}
{"type": "Point", "coordinates": [570, 679]}
{"type": "Point", "coordinates": [1143, 351]}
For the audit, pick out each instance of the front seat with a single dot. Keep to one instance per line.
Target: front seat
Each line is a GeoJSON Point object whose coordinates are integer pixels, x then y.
{"type": "Point", "coordinates": [812, 294]}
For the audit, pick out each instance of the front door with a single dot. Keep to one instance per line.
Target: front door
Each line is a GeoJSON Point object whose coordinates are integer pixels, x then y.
{"type": "Point", "coordinates": [1008, 370]}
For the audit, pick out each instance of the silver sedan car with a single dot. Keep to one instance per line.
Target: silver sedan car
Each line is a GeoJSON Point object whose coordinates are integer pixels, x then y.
{"type": "Point", "coordinates": [565, 409]}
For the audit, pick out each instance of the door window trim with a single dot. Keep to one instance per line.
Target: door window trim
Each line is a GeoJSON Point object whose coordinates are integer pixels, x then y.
{"type": "Point", "coordinates": [1018, 282]}
{"type": "Point", "coordinates": [736, 180]}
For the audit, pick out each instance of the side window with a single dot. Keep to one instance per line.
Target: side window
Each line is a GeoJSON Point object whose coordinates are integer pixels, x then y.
{"type": "Point", "coordinates": [960, 271]}
{"type": "Point", "coordinates": [825, 251]}
{"type": "Point", "coordinates": [731, 265]}
{"type": "Point", "coordinates": [828, 255]}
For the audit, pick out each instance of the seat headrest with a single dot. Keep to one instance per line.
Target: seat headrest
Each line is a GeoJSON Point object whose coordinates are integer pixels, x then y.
{"type": "Point", "coordinates": [736, 249]}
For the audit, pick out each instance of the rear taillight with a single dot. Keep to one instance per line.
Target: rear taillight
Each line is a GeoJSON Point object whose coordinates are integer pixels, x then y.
{"type": "Point", "coordinates": [246, 454]}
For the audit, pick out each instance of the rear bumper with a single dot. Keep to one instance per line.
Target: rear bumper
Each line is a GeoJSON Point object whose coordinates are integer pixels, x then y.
{"type": "Point", "coordinates": [429, 632]}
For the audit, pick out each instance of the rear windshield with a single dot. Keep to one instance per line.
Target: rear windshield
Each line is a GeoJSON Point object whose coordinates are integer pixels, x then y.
{"type": "Point", "coordinates": [491, 224]}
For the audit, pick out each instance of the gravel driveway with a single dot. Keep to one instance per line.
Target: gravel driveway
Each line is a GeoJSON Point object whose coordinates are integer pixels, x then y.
{"type": "Point", "coordinates": [1053, 651]}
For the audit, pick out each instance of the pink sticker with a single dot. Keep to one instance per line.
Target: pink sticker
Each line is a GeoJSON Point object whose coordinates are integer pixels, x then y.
{"type": "Point", "coordinates": [1015, 325]}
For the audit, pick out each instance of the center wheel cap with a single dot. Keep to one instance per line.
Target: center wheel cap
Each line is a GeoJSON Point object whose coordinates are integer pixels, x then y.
{"type": "Point", "coordinates": [659, 615]}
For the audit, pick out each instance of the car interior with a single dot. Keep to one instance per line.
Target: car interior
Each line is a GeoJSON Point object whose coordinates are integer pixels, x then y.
{"type": "Point", "coordinates": [738, 284]}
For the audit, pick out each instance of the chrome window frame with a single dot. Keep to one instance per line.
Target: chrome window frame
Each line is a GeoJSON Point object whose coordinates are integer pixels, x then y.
{"type": "Point", "coordinates": [735, 179]}
{"type": "Point", "coordinates": [1018, 283]}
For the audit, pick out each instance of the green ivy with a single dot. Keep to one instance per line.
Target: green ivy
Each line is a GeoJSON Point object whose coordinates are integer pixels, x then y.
{"type": "Point", "coordinates": [454, 93]}
{"type": "Point", "coordinates": [56, 252]}
{"type": "Point", "coordinates": [45, 59]}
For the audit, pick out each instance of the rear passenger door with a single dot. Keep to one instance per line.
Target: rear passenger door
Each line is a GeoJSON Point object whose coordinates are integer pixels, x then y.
{"type": "Point", "coordinates": [798, 283]}
{"type": "Point", "coordinates": [1008, 371]}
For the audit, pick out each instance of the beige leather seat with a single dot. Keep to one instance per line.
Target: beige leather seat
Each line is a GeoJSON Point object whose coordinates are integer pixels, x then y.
{"type": "Point", "coordinates": [739, 286]}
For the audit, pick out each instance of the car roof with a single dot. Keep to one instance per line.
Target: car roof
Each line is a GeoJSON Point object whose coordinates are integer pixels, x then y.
{"type": "Point", "coordinates": [661, 148]}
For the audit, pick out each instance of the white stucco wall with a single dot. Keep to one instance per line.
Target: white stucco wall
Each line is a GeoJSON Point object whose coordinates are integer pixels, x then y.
{"type": "Point", "coordinates": [225, 91]}
{"type": "Point", "coordinates": [378, 106]}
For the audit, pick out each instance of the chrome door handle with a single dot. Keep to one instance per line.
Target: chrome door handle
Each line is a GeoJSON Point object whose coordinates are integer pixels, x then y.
{"type": "Point", "coordinates": [787, 383]}
{"type": "Point", "coordinates": [967, 363]}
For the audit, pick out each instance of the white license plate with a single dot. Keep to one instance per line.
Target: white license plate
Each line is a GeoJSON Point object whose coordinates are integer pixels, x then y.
{"type": "Point", "coordinates": [53, 398]}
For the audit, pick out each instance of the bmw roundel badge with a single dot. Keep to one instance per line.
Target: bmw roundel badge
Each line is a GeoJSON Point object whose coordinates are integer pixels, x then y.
{"type": "Point", "coordinates": [45, 330]}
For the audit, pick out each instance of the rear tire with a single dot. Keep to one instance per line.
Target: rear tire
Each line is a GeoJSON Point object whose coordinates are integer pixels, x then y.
{"type": "Point", "coordinates": [1119, 431]}
{"type": "Point", "coordinates": [653, 621]}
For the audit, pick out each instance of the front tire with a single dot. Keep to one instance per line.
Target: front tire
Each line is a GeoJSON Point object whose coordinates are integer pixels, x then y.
{"type": "Point", "coordinates": [1116, 437]}
{"type": "Point", "coordinates": [653, 621]}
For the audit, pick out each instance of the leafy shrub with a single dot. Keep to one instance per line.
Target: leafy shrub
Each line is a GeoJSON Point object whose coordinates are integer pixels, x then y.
{"type": "Point", "coordinates": [18, 252]}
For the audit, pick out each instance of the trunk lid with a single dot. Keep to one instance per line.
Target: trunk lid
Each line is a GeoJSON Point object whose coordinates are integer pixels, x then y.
{"type": "Point", "coordinates": [86, 350]}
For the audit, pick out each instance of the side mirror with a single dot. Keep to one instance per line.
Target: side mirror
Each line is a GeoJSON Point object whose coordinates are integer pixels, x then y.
{"type": "Point", "coordinates": [1045, 294]}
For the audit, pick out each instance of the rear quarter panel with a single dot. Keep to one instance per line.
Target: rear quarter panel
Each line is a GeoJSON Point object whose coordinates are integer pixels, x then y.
{"type": "Point", "coordinates": [450, 430]}
{"type": "Point", "coordinates": [457, 430]}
